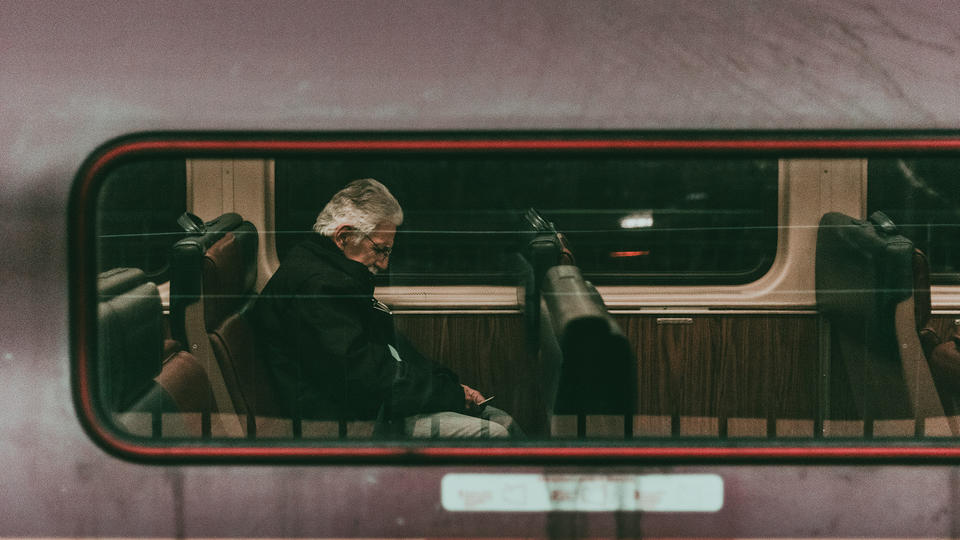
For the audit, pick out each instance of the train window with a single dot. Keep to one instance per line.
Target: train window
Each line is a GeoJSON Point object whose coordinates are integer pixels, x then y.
{"type": "Point", "coordinates": [921, 196]}
{"type": "Point", "coordinates": [698, 296]}
{"type": "Point", "coordinates": [631, 220]}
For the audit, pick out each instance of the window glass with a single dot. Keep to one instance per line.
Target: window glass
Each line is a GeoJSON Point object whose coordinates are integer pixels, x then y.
{"type": "Point", "coordinates": [628, 220]}
{"type": "Point", "coordinates": [836, 354]}
{"type": "Point", "coordinates": [920, 195]}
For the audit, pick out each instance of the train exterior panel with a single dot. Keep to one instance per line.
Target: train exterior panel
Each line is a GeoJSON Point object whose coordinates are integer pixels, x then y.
{"type": "Point", "coordinates": [74, 76]}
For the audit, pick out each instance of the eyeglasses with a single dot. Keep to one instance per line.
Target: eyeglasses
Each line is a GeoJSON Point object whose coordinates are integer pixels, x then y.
{"type": "Point", "coordinates": [383, 252]}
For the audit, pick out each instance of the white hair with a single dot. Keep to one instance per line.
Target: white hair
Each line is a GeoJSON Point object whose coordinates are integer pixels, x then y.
{"type": "Point", "coordinates": [362, 204]}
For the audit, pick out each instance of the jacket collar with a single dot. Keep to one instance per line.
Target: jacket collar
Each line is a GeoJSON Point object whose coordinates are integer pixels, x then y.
{"type": "Point", "coordinates": [325, 248]}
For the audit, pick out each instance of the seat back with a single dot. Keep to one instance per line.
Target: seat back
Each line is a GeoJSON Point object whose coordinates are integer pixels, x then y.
{"type": "Point", "coordinates": [229, 276]}
{"type": "Point", "coordinates": [942, 354]}
{"type": "Point", "coordinates": [187, 259]}
{"type": "Point", "coordinates": [945, 366]}
{"type": "Point", "coordinates": [214, 271]}
{"type": "Point", "coordinates": [130, 337]}
{"type": "Point", "coordinates": [595, 372]}
{"type": "Point", "coordinates": [137, 371]}
{"type": "Point", "coordinates": [865, 289]}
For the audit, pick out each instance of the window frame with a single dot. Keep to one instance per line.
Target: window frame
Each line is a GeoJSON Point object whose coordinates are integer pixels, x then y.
{"type": "Point", "coordinates": [83, 271]}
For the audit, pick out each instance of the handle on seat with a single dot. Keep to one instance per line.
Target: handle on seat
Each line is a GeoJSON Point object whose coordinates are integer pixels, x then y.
{"type": "Point", "coordinates": [191, 224]}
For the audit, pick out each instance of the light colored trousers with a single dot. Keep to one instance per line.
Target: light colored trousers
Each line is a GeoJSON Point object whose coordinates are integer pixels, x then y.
{"type": "Point", "coordinates": [491, 423]}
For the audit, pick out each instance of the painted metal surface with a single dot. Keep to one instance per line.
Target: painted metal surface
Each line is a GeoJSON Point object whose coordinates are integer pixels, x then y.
{"type": "Point", "coordinates": [73, 75]}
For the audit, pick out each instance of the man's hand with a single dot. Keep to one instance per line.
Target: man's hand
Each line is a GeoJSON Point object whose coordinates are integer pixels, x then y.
{"type": "Point", "coordinates": [471, 397]}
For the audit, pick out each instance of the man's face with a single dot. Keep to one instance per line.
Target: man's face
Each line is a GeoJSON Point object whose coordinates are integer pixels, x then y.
{"type": "Point", "coordinates": [372, 250]}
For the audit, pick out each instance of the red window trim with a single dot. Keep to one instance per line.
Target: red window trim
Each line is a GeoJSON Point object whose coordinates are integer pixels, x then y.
{"type": "Point", "coordinates": [83, 277]}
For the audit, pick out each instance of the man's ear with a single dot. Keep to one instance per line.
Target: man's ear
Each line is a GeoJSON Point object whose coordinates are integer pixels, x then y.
{"type": "Point", "coordinates": [342, 235]}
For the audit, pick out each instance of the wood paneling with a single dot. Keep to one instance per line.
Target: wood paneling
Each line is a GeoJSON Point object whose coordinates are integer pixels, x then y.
{"type": "Point", "coordinates": [727, 366]}
{"type": "Point", "coordinates": [717, 366]}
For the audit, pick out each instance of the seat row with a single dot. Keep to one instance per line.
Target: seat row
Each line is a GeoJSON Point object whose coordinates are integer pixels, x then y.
{"type": "Point", "coordinates": [141, 375]}
{"type": "Point", "coordinates": [884, 362]}
{"type": "Point", "coordinates": [204, 362]}
{"type": "Point", "coordinates": [872, 289]}
{"type": "Point", "coordinates": [881, 360]}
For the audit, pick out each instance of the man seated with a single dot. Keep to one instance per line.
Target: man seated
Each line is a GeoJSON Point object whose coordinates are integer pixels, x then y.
{"type": "Point", "coordinates": [331, 346]}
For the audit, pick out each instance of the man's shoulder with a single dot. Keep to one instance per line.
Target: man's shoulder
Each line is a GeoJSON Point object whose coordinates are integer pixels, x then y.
{"type": "Point", "coordinates": [308, 266]}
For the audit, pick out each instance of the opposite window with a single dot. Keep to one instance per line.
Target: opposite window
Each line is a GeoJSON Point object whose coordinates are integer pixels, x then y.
{"type": "Point", "coordinates": [921, 196]}
{"type": "Point", "coordinates": [629, 220]}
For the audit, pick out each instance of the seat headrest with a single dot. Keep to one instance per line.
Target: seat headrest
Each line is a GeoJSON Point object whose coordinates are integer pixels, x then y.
{"type": "Point", "coordinates": [119, 280]}
{"type": "Point", "coordinates": [572, 301]}
{"type": "Point", "coordinates": [218, 260]}
{"type": "Point", "coordinates": [597, 370]}
{"type": "Point", "coordinates": [861, 267]}
{"type": "Point", "coordinates": [190, 250]}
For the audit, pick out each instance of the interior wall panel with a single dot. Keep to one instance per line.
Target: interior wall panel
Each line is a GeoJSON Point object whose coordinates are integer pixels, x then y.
{"type": "Point", "coordinates": [727, 366]}
{"type": "Point", "coordinates": [719, 367]}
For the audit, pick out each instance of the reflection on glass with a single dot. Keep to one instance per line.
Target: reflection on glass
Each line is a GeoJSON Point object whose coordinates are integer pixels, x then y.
{"type": "Point", "coordinates": [886, 370]}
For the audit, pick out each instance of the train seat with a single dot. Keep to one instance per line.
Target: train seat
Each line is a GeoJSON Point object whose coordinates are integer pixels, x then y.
{"type": "Point", "coordinates": [130, 341]}
{"type": "Point", "coordinates": [139, 371]}
{"type": "Point", "coordinates": [943, 356]}
{"type": "Point", "coordinates": [865, 289]}
{"type": "Point", "coordinates": [589, 367]}
{"type": "Point", "coordinates": [929, 338]}
{"type": "Point", "coordinates": [945, 366]}
{"type": "Point", "coordinates": [212, 288]}
{"type": "Point", "coordinates": [229, 274]}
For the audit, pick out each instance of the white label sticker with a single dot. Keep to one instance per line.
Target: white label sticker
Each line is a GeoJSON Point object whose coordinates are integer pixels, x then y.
{"type": "Point", "coordinates": [582, 492]}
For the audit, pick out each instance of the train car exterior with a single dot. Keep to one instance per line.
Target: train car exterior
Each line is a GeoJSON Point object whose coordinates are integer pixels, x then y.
{"type": "Point", "coordinates": [805, 96]}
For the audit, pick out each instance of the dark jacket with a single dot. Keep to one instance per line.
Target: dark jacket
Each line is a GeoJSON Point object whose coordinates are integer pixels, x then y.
{"type": "Point", "coordinates": [325, 340]}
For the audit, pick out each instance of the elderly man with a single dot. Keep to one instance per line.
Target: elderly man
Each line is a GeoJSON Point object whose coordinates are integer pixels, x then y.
{"type": "Point", "coordinates": [331, 346]}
